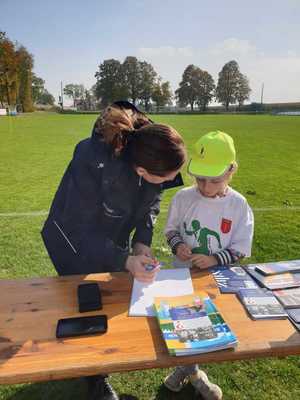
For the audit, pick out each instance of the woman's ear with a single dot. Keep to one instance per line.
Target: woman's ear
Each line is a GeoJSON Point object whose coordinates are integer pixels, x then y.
{"type": "Point", "coordinates": [141, 171]}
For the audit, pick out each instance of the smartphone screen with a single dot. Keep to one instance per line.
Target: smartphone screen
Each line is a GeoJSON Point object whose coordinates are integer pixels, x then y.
{"type": "Point", "coordinates": [79, 326]}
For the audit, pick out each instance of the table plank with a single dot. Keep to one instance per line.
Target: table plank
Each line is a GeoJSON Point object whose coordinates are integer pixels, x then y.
{"type": "Point", "coordinates": [30, 308]}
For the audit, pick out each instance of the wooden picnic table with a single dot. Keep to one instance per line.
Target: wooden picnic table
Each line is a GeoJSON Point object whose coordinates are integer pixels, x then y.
{"type": "Point", "coordinates": [30, 308]}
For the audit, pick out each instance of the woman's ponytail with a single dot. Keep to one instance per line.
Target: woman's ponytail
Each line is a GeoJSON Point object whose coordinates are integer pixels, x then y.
{"type": "Point", "coordinates": [117, 123]}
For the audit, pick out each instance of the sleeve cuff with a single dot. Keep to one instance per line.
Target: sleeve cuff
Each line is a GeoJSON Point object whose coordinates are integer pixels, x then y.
{"type": "Point", "coordinates": [228, 256]}
{"type": "Point", "coordinates": [174, 239]}
{"type": "Point", "coordinates": [120, 260]}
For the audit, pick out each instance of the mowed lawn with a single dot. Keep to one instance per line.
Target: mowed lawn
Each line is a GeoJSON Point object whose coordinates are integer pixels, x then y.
{"type": "Point", "coordinates": [34, 151]}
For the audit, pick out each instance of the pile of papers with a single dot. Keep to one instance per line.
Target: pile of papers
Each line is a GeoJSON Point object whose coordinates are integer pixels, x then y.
{"type": "Point", "coordinates": [267, 291]}
{"type": "Point", "coordinates": [189, 322]}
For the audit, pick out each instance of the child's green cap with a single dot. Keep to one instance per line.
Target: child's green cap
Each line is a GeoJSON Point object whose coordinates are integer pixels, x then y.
{"type": "Point", "coordinates": [213, 154]}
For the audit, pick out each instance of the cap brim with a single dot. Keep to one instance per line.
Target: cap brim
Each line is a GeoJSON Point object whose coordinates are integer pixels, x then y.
{"type": "Point", "coordinates": [197, 168]}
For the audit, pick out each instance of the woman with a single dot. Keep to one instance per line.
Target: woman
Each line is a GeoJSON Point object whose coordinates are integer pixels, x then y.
{"type": "Point", "coordinates": [111, 188]}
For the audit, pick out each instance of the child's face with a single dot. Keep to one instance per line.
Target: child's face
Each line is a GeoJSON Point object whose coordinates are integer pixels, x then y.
{"type": "Point", "coordinates": [212, 187]}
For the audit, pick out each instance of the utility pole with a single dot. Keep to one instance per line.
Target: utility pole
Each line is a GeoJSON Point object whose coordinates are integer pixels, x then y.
{"type": "Point", "coordinates": [62, 95]}
{"type": "Point", "coordinates": [262, 94]}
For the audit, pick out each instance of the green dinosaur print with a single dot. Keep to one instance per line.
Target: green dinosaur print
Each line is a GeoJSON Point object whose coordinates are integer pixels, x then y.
{"type": "Point", "coordinates": [201, 235]}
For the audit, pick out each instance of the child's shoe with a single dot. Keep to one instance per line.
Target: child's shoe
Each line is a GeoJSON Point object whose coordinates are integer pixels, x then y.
{"type": "Point", "coordinates": [207, 389]}
{"type": "Point", "coordinates": [176, 379]}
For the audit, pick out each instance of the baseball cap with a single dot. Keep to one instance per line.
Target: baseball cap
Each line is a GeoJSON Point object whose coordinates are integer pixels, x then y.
{"type": "Point", "coordinates": [212, 155]}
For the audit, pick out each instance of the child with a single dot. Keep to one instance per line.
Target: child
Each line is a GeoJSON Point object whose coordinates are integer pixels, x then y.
{"type": "Point", "coordinates": [208, 224]}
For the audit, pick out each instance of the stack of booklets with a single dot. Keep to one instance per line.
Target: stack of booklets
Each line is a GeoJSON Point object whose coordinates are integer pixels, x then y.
{"type": "Point", "coordinates": [232, 279]}
{"type": "Point", "coordinates": [192, 324]}
{"type": "Point", "coordinates": [276, 275]}
{"type": "Point", "coordinates": [294, 317]}
{"type": "Point", "coordinates": [261, 304]}
{"type": "Point", "coordinates": [280, 267]}
{"type": "Point", "coordinates": [289, 298]}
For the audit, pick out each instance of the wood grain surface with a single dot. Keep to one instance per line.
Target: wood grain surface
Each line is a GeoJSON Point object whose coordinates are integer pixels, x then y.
{"type": "Point", "coordinates": [30, 309]}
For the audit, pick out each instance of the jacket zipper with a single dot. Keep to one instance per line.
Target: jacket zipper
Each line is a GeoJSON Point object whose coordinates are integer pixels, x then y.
{"type": "Point", "coordinates": [63, 234]}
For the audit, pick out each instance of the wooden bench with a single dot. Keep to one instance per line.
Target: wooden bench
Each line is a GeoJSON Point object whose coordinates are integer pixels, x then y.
{"type": "Point", "coordinates": [30, 308]}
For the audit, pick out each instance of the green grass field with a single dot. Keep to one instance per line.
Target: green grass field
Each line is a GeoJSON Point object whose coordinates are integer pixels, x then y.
{"type": "Point", "coordinates": [35, 150]}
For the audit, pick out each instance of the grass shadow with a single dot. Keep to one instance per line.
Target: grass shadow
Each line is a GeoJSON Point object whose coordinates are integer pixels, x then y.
{"type": "Point", "coordinates": [188, 392]}
{"type": "Point", "coordinates": [71, 389]}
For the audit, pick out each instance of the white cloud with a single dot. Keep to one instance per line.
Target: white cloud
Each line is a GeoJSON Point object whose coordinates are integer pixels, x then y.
{"type": "Point", "coordinates": [233, 46]}
{"type": "Point", "coordinates": [168, 51]}
{"type": "Point", "coordinates": [280, 74]}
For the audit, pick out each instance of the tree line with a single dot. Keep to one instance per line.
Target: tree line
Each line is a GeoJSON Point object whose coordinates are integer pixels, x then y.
{"type": "Point", "coordinates": [132, 79]}
{"type": "Point", "coordinates": [197, 87]}
{"type": "Point", "coordinates": [19, 86]}
{"type": "Point", "coordinates": [137, 81]}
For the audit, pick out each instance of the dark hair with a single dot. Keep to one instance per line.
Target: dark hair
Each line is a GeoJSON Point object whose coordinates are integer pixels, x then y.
{"type": "Point", "coordinates": [116, 121]}
{"type": "Point", "coordinates": [156, 147]}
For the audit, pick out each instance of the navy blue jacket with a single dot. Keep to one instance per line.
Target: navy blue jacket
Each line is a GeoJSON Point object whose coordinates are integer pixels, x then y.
{"type": "Point", "coordinates": [99, 202]}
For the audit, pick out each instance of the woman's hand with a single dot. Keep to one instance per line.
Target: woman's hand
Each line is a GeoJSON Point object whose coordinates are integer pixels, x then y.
{"type": "Point", "coordinates": [183, 252]}
{"type": "Point", "coordinates": [141, 249]}
{"type": "Point", "coordinates": [202, 261]}
{"type": "Point", "coordinates": [136, 265]}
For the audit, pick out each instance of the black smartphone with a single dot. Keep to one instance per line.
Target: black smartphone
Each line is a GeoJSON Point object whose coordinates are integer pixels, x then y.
{"type": "Point", "coordinates": [89, 297]}
{"type": "Point", "coordinates": [69, 327]}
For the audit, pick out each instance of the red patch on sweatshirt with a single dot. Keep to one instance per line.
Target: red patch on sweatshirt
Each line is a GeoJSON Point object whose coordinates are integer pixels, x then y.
{"type": "Point", "coordinates": [226, 225]}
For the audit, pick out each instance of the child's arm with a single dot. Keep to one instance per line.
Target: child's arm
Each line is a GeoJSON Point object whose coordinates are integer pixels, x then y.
{"type": "Point", "coordinates": [241, 240]}
{"type": "Point", "coordinates": [177, 245]}
{"type": "Point", "coordinates": [228, 256]}
{"type": "Point", "coordinates": [174, 238]}
{"type": "Point", "coordinates": [223, 257]}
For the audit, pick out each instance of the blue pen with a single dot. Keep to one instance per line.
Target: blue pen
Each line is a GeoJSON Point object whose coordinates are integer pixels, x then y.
{"type": "Point", "coordinates": [151, 267]}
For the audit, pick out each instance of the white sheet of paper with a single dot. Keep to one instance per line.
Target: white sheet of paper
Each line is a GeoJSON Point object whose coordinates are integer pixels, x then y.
{"type": "Point", "coordinates": [168, 282]}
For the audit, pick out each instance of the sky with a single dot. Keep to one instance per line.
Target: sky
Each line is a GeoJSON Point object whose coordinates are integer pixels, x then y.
{"type": "Point", "coordinates": [69, 39]}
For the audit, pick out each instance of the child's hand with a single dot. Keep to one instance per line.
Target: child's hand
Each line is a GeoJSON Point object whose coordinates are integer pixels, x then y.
{"type": "Point", "coordinates": [202, 261]}
{"type": "Point", "coordinates": [183, 252]}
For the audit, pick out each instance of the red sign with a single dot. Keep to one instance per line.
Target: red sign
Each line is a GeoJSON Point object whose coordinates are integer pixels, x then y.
{"type": "Point", "coordinates": [226, 225]}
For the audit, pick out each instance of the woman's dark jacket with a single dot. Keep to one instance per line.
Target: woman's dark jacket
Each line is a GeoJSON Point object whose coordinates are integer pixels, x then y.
{"type": "Point", "coordinates": [99, 202]}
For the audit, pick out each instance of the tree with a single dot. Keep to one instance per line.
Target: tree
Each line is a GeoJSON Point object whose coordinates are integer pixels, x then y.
{"type": "Point", "coordinates": [197, 87]}
{"type": "Point", "coordinates": [40, 94]}
{"type": "Point", "coordinates": [16, 75]}
{"type": "Point", "coordinates": [243, 90]}
{"type": "Point", "coordinates": [45, 98]}
{"type": "Point", "coordinates": [162, 93]}
{"type": "Point", "coordinates": [205, 89]}
{"type": "Point", "coordinates": [228, 84]}
{"type": "Point", "coordinates": [147, 84]}
{"type": "Point", "coordinates": [109, 85]}
{"type": "Point", "coordinates": [74, 91]}
{"type": "Point", "coordinates": [187, 91]}
{"type": "Point", "coordinates": [37, 88]}
{"type": "Point", "coordinates": [87, 101]}
{"type": "Point", "coordinates": [25, 66]}
{"type": "Point", "coordinates": [8, 71]}
{"type": "Point", "coordinates": [132, 78]}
